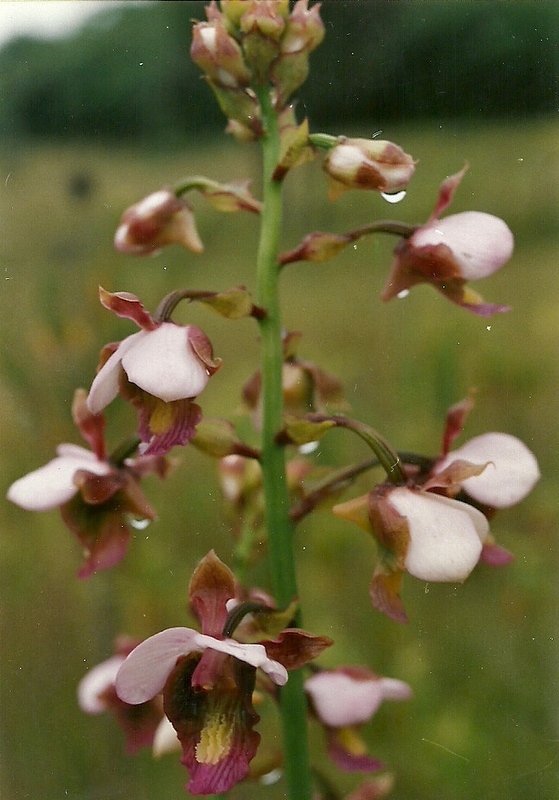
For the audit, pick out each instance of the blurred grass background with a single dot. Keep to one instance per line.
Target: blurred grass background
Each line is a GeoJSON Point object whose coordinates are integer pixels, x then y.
{"type": "Point", "coordinates": [482, 657]}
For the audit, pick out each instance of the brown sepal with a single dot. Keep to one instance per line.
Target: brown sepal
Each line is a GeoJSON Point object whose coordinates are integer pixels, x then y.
{"type": "Point", "coordinates": [294, 647]}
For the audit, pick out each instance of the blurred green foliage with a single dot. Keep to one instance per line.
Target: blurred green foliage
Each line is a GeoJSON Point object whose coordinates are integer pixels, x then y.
{"type": "Point", "coordinates": [483, 657]}
{"type": "Point", "coordinates": [127, 74]}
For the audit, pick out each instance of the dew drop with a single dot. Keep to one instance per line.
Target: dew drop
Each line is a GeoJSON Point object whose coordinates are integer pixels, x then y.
{"type": "Point", "coordinates": [139, 524]}
{"type": "Point", "coordinates": [307, 448]}
{"type": "Point", "coordinates": [393, 197]}
{"type": "Point", "coordinates": [402, 294]}
{"type": "Point", "coordinates": [271, 777]}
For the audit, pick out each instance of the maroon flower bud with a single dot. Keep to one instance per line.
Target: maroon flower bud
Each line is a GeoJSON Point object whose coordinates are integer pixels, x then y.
{"type": "Point", "coordinates": [367, 164]}
{"type": "Point", "coordinates": [262, 26]}
{"type": "Point", "coordinates": [218, 54]}
{"type": "Point", "coordinates": [159, 219]}
{"type": "Point", "coordinates": [305, 29]}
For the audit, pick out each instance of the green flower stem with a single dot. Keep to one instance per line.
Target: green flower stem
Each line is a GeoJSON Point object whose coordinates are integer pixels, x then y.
{"type": "Point", "coordinates": [389, 460]}
{"type": "Point", "coordinates": [324, 140]}
{"type": "Point", "coordinates": [278, 524]}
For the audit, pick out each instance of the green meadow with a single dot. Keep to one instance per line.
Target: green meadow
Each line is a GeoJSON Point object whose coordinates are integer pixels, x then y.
{"type": "Point", "coordinates": [483, 657]}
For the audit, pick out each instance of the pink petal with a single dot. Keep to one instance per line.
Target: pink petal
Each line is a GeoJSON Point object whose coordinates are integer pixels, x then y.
{"type": "Point", "coordinates": [393, 689]}
{"type": "Point", "coordinates": [446, 192]}
{"type": "Point", "coordinates": [507, 479]}
{"type": "Point", "coordinates": [186, 416]}
{"type": "Point", "coordinates": [162, 363]}
{"type": "Point", "coordinates": [127, 306]}
{"type": "Point", "coordinates": [495, 556]}
{"type": "Point", "coordinates": [446, 535]}
{"type": "Point", "coordinates": [480, 243]}
{"type": "Point", "coordinates": [253, 654]}
{"type": "Point", "coordinates": [146, 669]}
{"type": "Point", "coordinates": [52, 485]}
{"type": "Point", "coordinates": [96, 682]}
{"type": "Point", "coordinates": [340, 701]}
{"type": "Point", "coordinates": [104, 388]}
{"type": "Point", "coordinates": [350, 762]}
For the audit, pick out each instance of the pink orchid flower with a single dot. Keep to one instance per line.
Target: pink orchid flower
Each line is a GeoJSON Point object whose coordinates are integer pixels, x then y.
{"type": "Point", "coordinates": [207, 680]}
{"type": "Point", "coordinates": [450, 251]}
{"type": "Point", "coordinates": [344, 699]}
{"type": "Point", "coordinates": [97, 694]}
{"type": "Point", "coordinates": [159, 370]}
{"type": "Point", "coordinates": [96, 496]}
{"type": "Point", "coordinates": [435, 527]}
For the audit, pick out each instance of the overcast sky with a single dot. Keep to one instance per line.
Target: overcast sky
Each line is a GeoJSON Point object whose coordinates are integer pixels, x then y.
{"type": "Point", "coordinates": [47, 18]}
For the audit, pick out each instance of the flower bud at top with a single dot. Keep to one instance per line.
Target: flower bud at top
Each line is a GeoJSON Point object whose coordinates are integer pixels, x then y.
{"type": "Point", "coordinates": [262, 27]}
{"type": "Point", "coordinates": [265, 16]}
{"type": "Point", "coordinates": [159, 219]}
{"type": "Point", "coordinates": [367, 164]}
{"type": "Point", "coordinates": [218, 55]}
{"type": "Point", "coordinates": [234, 10]}
{"type": "Point", "coordinates": [303, 33]}
{"type": "Point", "coordinates": [305, 29]}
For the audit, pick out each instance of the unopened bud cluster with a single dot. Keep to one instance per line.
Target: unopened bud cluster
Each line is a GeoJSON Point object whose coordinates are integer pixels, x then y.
{"type": "Point", "coordinates": [249, 44]}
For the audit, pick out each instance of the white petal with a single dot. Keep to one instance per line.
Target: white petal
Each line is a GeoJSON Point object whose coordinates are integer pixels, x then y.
{"type": "Point", "coordinates": [146, 669]}
{"type": "Point", "coordinates": [510, 475]}
{"type": "Point", "coordinates": [52, 485]}
{"type": "Point", "coordinates": [148, 666]}
{"type": "Point", "coordinates": [344, 158]}
{"type": "Point", "coordinates": [340, 700]}
{"type": "Point", "coordinates": [153, 203]}
{"type": "Point", "coordinates": [393, 689]}
{"type": "Point", "coordinates": [76, 451]}
{"type": "Point", "coordinates": [446, 535]}
{"type": "Point", "coordinates": [97, 681]}
{"type": "Point", "coordinates": [165, 739]}
{"type": "Point", "coordinates": [104, 388]}
{"type": "Point", "coordinates": [253, 654]}
{"type": "Point", "coordinates": [481, 243]}
{"type": "Point", "coordinates": [163, 364]}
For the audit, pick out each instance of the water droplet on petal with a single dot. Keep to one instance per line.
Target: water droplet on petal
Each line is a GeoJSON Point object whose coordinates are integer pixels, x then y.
{"type": "Point", "coordinates": [139, 524]}
{"type": "Point", "coordinates": [307, 448]}
{"type": "Point", "coordinates": [271, 777]}
{"type": "Point", "coordinates": [393, 197]}
{"type": "Point", "coordinates": [402, 294]}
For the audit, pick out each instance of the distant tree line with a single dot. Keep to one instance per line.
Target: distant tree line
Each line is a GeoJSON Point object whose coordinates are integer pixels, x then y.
{"type": "Point", "coordinates": [127, 74]}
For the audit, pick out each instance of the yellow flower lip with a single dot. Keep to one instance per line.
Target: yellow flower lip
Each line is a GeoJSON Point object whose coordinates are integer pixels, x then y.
{"type": "Point", "coordinates": [215, 740]}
